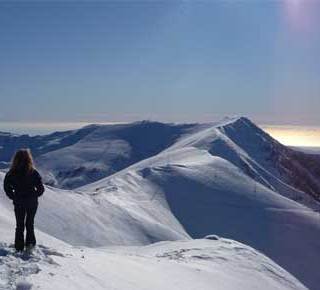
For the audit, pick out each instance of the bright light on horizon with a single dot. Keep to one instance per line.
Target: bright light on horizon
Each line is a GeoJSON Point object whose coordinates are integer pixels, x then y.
{"type": "Point", "coordinates": [299, 136]}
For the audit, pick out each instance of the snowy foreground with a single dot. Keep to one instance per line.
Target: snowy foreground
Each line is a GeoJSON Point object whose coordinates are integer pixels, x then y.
{"type": "Point", "coordinates": [142, 227]}
{"type": "Point", "coordinates": [219, 264]}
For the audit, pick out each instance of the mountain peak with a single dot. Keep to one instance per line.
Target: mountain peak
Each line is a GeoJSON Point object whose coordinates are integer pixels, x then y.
{"type": "Point", "coordinates": [236, 122]}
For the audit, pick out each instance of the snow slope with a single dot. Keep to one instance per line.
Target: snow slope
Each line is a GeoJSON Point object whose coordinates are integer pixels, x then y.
{"type": "Point", "coordinates": [187, 265]}
{"type": "Point", "coordinates": [128, 217]}
{"type": "Point", "coordinates": [208, 194]}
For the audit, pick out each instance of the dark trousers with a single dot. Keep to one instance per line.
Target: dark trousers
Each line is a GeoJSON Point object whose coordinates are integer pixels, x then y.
{"type": "Point", "coordinates": [24, 219]}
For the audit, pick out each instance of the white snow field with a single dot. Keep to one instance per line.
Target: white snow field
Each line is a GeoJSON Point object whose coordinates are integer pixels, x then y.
{"type": "Point", "coordinates": [129, 218]}
{"type": "Point", "coordinates": [204, 181]}
{"type": "Point", "coordinates": [208, 194]}
{"type": "Point", "coordinates": [220, 264]}
{"type": "Point", "coordinates": [184, 264]}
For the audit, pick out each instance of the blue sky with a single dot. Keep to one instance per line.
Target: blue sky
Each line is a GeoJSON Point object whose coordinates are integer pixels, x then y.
{"type": "Point", "coordinates": [173, 61]}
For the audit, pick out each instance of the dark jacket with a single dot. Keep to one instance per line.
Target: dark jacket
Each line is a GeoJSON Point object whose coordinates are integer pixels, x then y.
{"type": "Point", "coordinates": [23, 189]}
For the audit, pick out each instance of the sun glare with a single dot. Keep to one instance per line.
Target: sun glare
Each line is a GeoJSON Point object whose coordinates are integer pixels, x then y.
{"type": "Point", "coordinates": [298, 14]}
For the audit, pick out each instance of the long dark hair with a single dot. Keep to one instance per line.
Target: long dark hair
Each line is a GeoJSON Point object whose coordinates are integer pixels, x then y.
{"type": "Point", "coordinates": [22, 162]}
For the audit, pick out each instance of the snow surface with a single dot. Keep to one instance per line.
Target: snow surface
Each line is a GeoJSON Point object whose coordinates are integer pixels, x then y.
{"type": "Point", "coordinates": [196, 182]}
{"type": "Point", "coordinates": [208, 194]}
{"type": "Point", "coordinates": [198, 264]}
{"type": "Point", "coordinates": [125, 217]}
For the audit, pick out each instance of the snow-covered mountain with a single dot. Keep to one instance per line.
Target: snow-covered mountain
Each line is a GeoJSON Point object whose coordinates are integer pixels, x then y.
{"type": "Point", "coordinates": [73, 158]}
{"type": "Point", "coordinates": [187, 181]}
{"type": "Point", "coordinates": [261, 157]}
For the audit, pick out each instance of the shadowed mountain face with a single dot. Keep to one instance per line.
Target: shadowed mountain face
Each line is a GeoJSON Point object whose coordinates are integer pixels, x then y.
{"type": "Point", "coordinates": [74, 158]}
{"type": "Point", "coordinates": [268, 159]}
{"type": "Point", "coordinates": [303, 171]}
{"type": "Point", "coordinates": [295, 168]}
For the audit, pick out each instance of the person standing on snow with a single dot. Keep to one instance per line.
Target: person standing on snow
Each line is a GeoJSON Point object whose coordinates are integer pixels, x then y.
{"type": "Point", "coordinates": [23, 185]}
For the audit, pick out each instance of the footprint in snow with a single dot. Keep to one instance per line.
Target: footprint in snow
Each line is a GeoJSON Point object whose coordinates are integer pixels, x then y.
{"type": "Point", "coordinates": [16, 267]}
